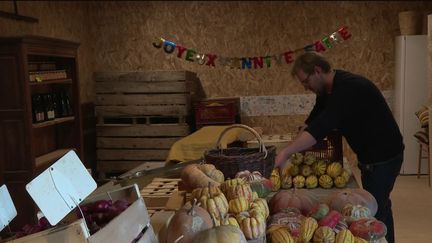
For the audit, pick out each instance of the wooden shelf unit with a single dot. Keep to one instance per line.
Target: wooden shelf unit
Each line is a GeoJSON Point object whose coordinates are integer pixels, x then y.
{"type": "Point", "coordinates": [28, 148]}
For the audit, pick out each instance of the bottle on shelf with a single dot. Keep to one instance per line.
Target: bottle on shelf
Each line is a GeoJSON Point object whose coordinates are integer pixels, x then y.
{"type": "Point", "coordinates": [37, 107]}
{"type": "Point", "coordinates": [55, 105]}
{"type": "Point", "coordinates": [49, 108]}
{"type": "Point", "coordinates": [68, 105]}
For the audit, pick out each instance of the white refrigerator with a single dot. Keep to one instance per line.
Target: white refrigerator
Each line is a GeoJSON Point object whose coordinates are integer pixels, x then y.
{"type": "Point", "coordinates": [411, 90]}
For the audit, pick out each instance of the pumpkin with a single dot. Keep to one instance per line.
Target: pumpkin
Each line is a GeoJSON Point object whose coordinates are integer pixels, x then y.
{"type": "Point", "coordinates": [187, 222]}
{"type": "Point", "coordinates": [309, 158]}
{"type": "Point", "coordinates": [205, 191]}
{"type": "Point", "coordinates": [287, 181]}
{"type": "Point", "coordinates": [337, 200]}
{"type": "Point", "coordinates": [299, 181]}
{"type": "Point", "coordinates": [196, 175]}
{"type": "Point", "coordinates": [324, 234]}
{"type": "Point", "coordinates": [240, 191]}
{"type": "Point", "coordinates": [340, 182]}
{"type": "Point", "coordinates": [217, 206]}
{"type": "Point", "coordinates": [319, 167]}
{"type": "Point", "coordinates": [325, 181]}
{"type": "Point", "coordinates": [223, 233]}
{"type": "Point", "coordinates": [238, 205]}
{"type": "Point", "coordinates": [355, 212]}
{"type": "Point", "coordinates": [368, 229]}
{"type": "Point", "coordinates": [302, 199]}
{"type": "Point", "coordinates": [290, 218]}
{"type": "Point", "coordinates": [344, 236]}
{"type": "Point", "coordinates": [294, 170]}
{"type": "Point", "coordinates": [253, 226]}
{"type": "Point", "coordinates": [275, 179]}
{"type": "Point", "coordinates": [334, 169]}
{"type": "Point", "coordinates": [319, 211]}
{"type": "Point", "coordinates": [307, 229]}
{"type": "Point", "coordinates": [305, 170]}
{"type": "Point", "coordinates": [262, 188]}
{"type": "Point", "coordinates": [311, 182]}
{"type": "Point", "coordinates": [262, 206]}
{"type": "Point", "coordinates": [230, 183]}
{"type": "Point", "coordinates": [280, 234]}
{"type": "Point", "coordinates": [297, 158]}
{"type": "Point", "coordinates": [331, 219]}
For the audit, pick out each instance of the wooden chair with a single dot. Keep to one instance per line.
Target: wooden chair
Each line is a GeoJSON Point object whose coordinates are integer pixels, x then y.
{"type": "Point", "coordinates": [423, 154]}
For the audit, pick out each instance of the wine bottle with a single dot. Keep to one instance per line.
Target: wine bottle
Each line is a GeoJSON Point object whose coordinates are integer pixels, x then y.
{"type": "Point", "coordinates": [49, 107]}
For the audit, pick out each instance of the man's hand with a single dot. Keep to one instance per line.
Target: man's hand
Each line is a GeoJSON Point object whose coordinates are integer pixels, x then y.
{"type": "Point", "coordinates": [281, 158]}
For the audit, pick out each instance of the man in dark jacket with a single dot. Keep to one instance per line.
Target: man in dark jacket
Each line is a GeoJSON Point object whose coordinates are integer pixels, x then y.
{"type": "Point", "coordinates": [353, 105]}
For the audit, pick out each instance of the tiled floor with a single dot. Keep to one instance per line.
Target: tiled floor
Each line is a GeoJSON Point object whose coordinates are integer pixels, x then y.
{"type": "Point", "coordinates": [412, 203]}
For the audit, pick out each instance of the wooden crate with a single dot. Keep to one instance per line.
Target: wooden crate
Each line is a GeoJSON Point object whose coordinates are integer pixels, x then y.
{"type": "Point", "coordinates": [122, 229]}
{"type": "Point", "coordinates": [163, 194]}
{"type": "Point", "coordinates": [140, 115]}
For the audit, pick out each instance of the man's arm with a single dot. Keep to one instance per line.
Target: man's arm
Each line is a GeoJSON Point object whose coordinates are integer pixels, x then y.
{"type": "Point", "coordinates": [304, 141]}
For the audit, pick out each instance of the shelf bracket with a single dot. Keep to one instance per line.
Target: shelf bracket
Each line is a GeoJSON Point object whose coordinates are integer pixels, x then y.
{"type": "Point", "coordinates": [16, 16]}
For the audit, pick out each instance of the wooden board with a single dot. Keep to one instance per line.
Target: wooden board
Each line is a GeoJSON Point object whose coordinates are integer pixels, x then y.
{"type": "Point", "coordinates": [129, 154]}
{"type": "Point", "coordinates": [141, 130]}
{"type": "Point", "coordinates": [173, 87]}
{"type": "Point", "coordinates": [149, 76]}
{"type": "Point", "coordinates": [72, 233]}
{"type": "Point", "coordinates": [145, 143]}
{"type": "Point", "coordinates": [142, 99]}
{"type": "Point", "coordinates": [156, 110]}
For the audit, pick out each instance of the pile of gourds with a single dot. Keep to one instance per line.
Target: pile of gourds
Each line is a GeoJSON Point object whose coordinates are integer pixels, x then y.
{"type": "Point", "coordinates": [306, 171]}
{"type": "Point", "coordinates": [345, 216]}
{"type": "Point", "coordinates": [233, 210]}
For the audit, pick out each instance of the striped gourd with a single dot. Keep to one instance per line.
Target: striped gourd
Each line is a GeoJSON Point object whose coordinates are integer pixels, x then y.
{"type": "Point", "coordinates": [238, 205]}
{"type": "Point", "coordinates": [325, 181]}
{"type": "Point", "coordinates": [230, 183]}
{"type": "Point", "coordinates": [324, 234]}
{"type": "Point", "coordinates": [319, 167]}
{"type": "Point", "coordinates": [240, 191]}
{"type": "Point", "coordinates": [307, 229]}
{"type": "Point", "coordinates": [311, 182]}
{"type": "Point", "coordinates": [280, 234]}
{"type": "Point", "coordinates": [286, 182]}
{"type": "Point", "coordinates": [345, 174]}
{"type": "Point", "coordinates": [230, 221]}
{"type": "Point", "coordinates": [334, 169]}
{"type": "Point", "coordinates": [299, 181]}
{"type": "Point", "coordinates": [261, 205]}
{"type": "Point", "coordinates": [344, 236]}
{"type": "Point", "coordinates": [253, 226]}
{"type": "Point", "coordinates": [205, 191]}
{"type": "Point", "coordinates": [340, 182]}
{"type": "Point", "coordinates": [275, 179]}
{"type": "Point", "coordinates": [217, 206]}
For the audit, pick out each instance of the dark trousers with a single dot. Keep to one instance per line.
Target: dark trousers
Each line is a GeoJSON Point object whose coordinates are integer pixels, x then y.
{"type": "Point", "coordinates": [378, 179]}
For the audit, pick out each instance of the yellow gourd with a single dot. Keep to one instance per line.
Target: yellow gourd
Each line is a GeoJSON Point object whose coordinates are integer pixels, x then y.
{"type": "Point", "coordinates": [344, 236]}
{"type": "Point", "coordinates": [340, 182]}
{"type": "Point", "coordinates": [307, 229]}
{"type": "Point", "coordinates": [280, 234]}
{"type": "Point", "coordinates": [311, 182]}
{"type": "Point", "coordinates": [324, 234]}
{"type": "Point", "coordinates": [299, 181]}
{"type": "Point", "coordinates": [275, 179]}
{"type": "Point", "coordinates": [238, 205]}
{"type": "Point", "coordinates": [334, 169]}
{"type": "Point", "coordinates": [325, 181]}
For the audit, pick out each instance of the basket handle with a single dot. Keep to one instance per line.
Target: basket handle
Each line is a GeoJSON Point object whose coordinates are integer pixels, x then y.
{"type": "Point", "coordinates": [262, 148]}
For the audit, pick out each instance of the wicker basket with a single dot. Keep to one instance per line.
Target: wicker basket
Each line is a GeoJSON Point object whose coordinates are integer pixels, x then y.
{"type": "Point", "coordinates": [232, 160]}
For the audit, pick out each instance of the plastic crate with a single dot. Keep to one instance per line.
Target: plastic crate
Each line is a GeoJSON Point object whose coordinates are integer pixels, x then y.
{"type": "Point", "coordinates": [329, 149]}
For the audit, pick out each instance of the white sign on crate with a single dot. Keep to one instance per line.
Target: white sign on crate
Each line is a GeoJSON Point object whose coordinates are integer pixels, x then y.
{"type": "Point", "coordinates": [7, 208]}
{"type": "Point", "coordinates": [61, 187]}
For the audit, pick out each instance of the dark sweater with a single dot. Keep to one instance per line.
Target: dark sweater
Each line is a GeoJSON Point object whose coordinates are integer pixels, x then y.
{"type": "Point", "coordinates": [358, 109]}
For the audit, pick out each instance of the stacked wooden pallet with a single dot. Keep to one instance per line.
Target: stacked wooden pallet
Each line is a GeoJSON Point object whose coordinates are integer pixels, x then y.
{"type": "Point", "coordinates": [140, 115]}
{"type": "Point", "coordinates": [162, 194]}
